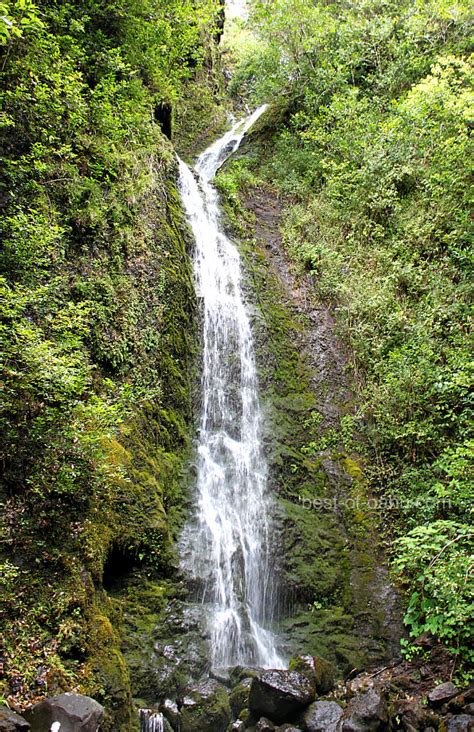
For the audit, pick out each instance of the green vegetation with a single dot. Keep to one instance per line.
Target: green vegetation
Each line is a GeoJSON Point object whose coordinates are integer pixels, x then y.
{"type": "Point", "coordinates": [368, 143]}
{"type": "Point", "coordinates": [98, 326]}
{"type": "Point", "coordinates": [330, 582]}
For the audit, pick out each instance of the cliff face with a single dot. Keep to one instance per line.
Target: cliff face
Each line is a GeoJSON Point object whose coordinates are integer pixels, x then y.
{"type": "Point", "coordinates": [98, 336]}
{"type": "Point", "coordinates": [98, 412]}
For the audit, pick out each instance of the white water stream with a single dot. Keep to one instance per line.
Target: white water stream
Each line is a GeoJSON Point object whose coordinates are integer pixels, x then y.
{"type": "Point", "coordinates": [225, 547]}
{"type": "Point", "coordinates": [151, 721]}
{"type": "Point", "coordinates": [236, 9]}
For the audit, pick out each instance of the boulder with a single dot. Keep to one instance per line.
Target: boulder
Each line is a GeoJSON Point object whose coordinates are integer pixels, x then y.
{"type": "Point", "coordinates": [288, 728]}
{"type": "Point", "coordinates": [74, 712]}
{"type": "Point", "coordinates": [322, 716]}
{"type": "Point", "coordinates": [469, 695]}
{"type": "Point", "coordinates": [239, 696]}
{"type": "Point", "coordinates": [320, 672]}
{"type": "Point", "coordinates": [366, 712]}
{"type": "Point", "coordinates": [12, 722]}
{"type": "Point", "coordinates": [460, 723]}
{"type": "Point", "coordinates": [280, 694]}
{"type": "Point", "coordinates": [458, 704]}
{"type": "Point", "coordinates": [410, 713]}
{"type": "Point", "coordinates": [237, 726]}
{"type": "Point", "coordinates": [442, 694]}
{"type": "Point", "coordinates": [238, 673]}
{"type": "Point", "coordinates": [170, 711]}
{"type": "Point", "coordinates": [205, 708]}
{"type": "Point", "coordinates": [264, 725]}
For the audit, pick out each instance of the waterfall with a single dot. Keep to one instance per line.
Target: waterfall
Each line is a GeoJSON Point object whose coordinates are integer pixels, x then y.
{"type": "Point", "coordinates": [151, 721]}
{"type": "Point", "coordinates": [237, 9]}
{"type": "Point", "coordinates": [225, 547]}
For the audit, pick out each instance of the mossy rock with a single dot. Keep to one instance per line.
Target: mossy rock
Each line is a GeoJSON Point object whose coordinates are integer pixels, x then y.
{"type": "Point", "coordinates": [205, 708]}
{"type": "Point", "coordinates": [317, 669]}
{"type": "Point", "coordinates": [239, 696]}
{"type": "Point", "coordinates": [111, 687]}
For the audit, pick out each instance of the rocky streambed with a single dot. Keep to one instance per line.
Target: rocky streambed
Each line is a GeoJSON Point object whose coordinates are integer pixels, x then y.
{"type": "Point", "coordinates": [307, 697]}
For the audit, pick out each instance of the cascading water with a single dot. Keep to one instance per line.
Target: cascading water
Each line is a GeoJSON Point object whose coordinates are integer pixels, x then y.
{"type": "Point", "coordinates": [151, 721]}
{"type": "Point", "coordinates": [225, 548]}
{"type": "Point", "coordinates": [236, 9]}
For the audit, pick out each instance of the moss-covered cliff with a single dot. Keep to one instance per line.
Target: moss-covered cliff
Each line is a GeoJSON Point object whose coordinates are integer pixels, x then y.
{"type": "Point", "coordinates": [336, 600]}
{"type": "Point", "coordinates": [98, 330]}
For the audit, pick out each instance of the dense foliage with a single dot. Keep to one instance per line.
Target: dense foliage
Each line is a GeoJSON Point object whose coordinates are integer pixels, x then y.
{"type": "Point", "coordinates": [97, 317]}
{"type": "Point", "coordinates": [369, 148]}
{"type": "Point", "coordinates": [372, 155]}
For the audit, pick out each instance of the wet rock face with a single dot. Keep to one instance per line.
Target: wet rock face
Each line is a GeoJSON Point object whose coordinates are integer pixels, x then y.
{"type": "Point", "coordinates": [205, 708]}
{"type": "Point", "coordinates": [11, 722]}
{"type": "Point", "coordinates": [366, 712]}
{"type": "Point", "coordinates": [280, 694]}
{"type": "Point", "coordinates": [179, 657]}
{"type": "Point", "coordinates": [74, 712]}
{"type": "Point", "coordinates": [322, 716]}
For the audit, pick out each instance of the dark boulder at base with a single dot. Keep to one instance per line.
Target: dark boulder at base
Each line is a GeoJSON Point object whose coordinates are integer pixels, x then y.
{"type": "Point", "coordinates": [12, 722]}
{"type": "Point", "coordinates": [288, 728]}
{"type": "Point", "coordinates": [317, 670]}
{"type": "Point", "coordinates": [205, 708]}
{"type": "Point", "coordinates": [460, 723]}
{"type": "Point", "coordinates": [410, 714]}
{"type": "Point", "coordinates": [322, 716]}
{"type": "Point", "coordinates": [264, 725]}
{"type": "Point", "coordinates": [366, 712]}
{"type": "Point", "coordinates": [442, 694]}
{"type": "Point", "coordinates": [280, 694]}
{"type": "Point", "coordinates": [76, 713]}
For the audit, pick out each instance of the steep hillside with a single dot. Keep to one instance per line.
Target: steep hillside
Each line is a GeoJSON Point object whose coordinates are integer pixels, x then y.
{"type": "Point", "coordinates": [367, 143]}
{"type": "Point", "coordinates": [98, 329]}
